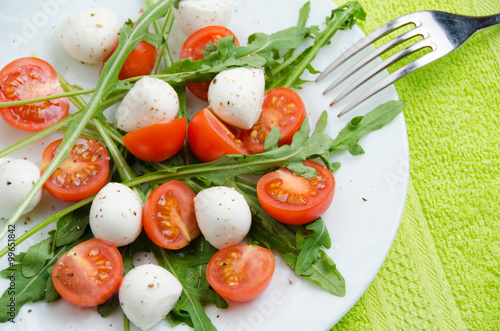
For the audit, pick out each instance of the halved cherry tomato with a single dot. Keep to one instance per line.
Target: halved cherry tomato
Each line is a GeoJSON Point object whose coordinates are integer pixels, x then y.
{"type": "Point", "coordinates": [89, 273]}
{"type": "Point", "coordinates": [139, 62]}
{"type": "Point", "coordinates": [209, 138]}
{"type": "Point", "coordinates": [193, 48]}
{"type": "Point", "coordinates": [168, 215]}
{"type": "Point", "coordinates": [82, 174]}
{"type": "Point", "coordinates": [294, 199]}
{"type": "Point", "coordinates": [29, 78]}
{"type": "Point", "coordinates": [241, 272]}
{"type": "Point", "coordinates": [157, 142]}
{"type": "Point", "coordinates": [282, 107]}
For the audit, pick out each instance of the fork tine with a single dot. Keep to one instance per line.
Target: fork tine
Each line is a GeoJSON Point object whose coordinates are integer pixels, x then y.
{"type": "Point", "coordinates": [373, 55]}
{"type": "Point", "coordinates": [383, 65]}
{"type": "Point", "coordinates": [367, 40]}
{"type": "Point", "coordinates": [400, 73]}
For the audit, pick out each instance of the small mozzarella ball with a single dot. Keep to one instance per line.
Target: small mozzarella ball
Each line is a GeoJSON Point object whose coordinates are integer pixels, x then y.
{"type": "Point", "coordinates": [147, 294]}
{"type": "Point", "coordinates": [236, 96]}
{"type": "Point", "coordinates": [116, 214]}
{"type": "Point", "coordinates": [17, 178]}
{"type": "Point", "coordinates": [193, 15]}
{"type": "Point", "coordinates": [90, 35]}
{"type": "Point", "coordinates": [223, 216]}
{"type": "Point", "coordinates": [150, 101]}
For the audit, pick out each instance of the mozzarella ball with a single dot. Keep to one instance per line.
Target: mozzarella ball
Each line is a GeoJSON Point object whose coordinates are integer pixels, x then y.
{"type": "Point", "coordinates": [150, 101]}
{"type": "Point", "coordinates": [116, 214]}
{"type": "Point", "coordinates": [236, 96]}
{"type": "Point", "coordinates": [17, 178]}
{"type": "Point", "coordinates": [193, 15]}
{"type": "Point", "coordinates": [147, 294]}
{"type": "Point", "coordinates": [90, 35]}
{"type": "Point", "coordinates": [223, 216]}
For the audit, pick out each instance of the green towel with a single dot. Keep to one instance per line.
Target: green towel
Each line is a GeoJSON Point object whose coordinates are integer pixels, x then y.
{"type": "Point", "coordinates": [443, 271]}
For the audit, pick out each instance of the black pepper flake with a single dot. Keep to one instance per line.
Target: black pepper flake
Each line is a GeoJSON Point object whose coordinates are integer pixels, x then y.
{"type": "Point", "coordinates": [364, 199]}
{"type": "Point", "coordinates": [9, 183]}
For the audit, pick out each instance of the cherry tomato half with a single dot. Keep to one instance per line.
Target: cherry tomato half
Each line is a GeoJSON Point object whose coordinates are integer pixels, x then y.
{"type": "Point", "coordinates": [82, 174]}
{"type": "Point", "coordinates": [29, 78]}
{"type": "Point", "coordinates": [193, 48]}
{"type": "Point", "coordinates": [241, 272]}
{"type": "Point", "coordinates": [294, 199]}
{"type": "Point", "coordinates": [209, 138]}
{"type": "Point", "coordinates": [168, 215]}
{"type": "Point", "coordinates": [157, 142]}
{"type": "Point", "coordinates": [139, 62]}
{"type": "Point", "coordinates": [89, 273]}
{"type": "Point", "coordinates": [282, 107]}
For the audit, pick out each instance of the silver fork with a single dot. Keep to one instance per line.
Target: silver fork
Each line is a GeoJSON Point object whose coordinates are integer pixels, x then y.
{"type": "Point", "coordinates": [442, 33]}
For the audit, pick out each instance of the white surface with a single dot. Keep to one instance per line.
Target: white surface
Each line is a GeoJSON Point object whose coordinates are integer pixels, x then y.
{"type": "Point", "coordinates": [362, 231]}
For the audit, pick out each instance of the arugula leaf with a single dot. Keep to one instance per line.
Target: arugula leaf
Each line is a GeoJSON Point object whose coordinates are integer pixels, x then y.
{"type": "Point", "coordinates": [107, 308]}
{"type": "Point", "coordinates": [51, 294]}
{"type": "Point", "coordinates": [359, 126]}
{"type": "Point", "coordinates": [26, 290]}
{"type": "Point", "coordinates": [36, 257]}
{"type": "Point", "coordinates": [71, 226]}
{"type": "Point", "coordinates": [324, 273]}
{"type": "Point", "coordinates": [344, 17]}
{"type": "Point", "coordinates": [309, 241]}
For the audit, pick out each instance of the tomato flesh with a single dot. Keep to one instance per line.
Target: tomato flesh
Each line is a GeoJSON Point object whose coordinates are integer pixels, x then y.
{"type": "Point", "coordinates": [209, 138]}
{"type": "Point", "coordinates": [29, 78]}
{"type": "Point", "coordinates": [157, 142]}
{"type": "Point", "coordinates": [282, 107]}
{"type": "Point", "coordinates": [193, 49]}
{"type": "Point", "coordinates": [168, 216]}
{"type": "Point", "coordinates": [82, 174]}
{"type": "Point", "coordinates": [294, 199]}
{"type": "Point", "coordinates": [89, 273]}
{"type": "Point", "coordinates": [241, 272]}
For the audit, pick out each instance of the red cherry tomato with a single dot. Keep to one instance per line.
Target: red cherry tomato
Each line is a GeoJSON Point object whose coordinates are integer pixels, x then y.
{"type": "Point", "coordinates": [193, 48]}
{"type": "Point", "coordinates": [139, 62]}
{"type": "Point", "coordinates": [82, 174]}
{"type": "Point", "coordinates": [89, 273]}
{"type": "Point", "coordinates": [157, 142]}
{"type": "Point", "coordinates": [168, 215]}
{"type": "Point", "coordinates": [209, 138]}
{"type": "Point", "coordinates": [294, 199]}
{"type": "Point", "coordinates": [29, 78]}
{"type": "Point", "coordinates": [282, 107]}
{"type": "Point", "coordinates": [241, 272]}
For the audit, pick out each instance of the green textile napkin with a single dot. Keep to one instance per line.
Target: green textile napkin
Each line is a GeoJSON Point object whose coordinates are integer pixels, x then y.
{"type": "Point", "coordinates": [443, 271]}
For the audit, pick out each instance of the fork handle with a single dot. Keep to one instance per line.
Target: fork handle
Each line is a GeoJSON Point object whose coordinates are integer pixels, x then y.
{"type": "Point", "coordinates": [488, 21]}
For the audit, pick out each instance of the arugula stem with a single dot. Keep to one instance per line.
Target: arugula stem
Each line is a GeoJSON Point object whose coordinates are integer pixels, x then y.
{"type": "Point", "coordinates": [299, 69]}
{"type": "Point", "coordinates": [124, 170]}
{"type": "Point", "coordinates": [46, 98]}
{"type": "Point", "coordinates": [47, 222]}
{"type": "Point", "coordinates": [34, 137]}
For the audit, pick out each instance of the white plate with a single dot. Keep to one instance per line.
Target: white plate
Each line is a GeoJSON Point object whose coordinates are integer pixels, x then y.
{"type": "Point", "coordinates": [362, 231]}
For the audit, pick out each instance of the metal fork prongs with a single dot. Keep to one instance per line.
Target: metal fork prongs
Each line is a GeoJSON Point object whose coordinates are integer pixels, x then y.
{"type": "Point", "coordinates": [441, 32]}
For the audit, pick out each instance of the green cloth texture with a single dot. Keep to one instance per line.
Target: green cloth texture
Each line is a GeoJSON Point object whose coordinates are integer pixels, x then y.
{"type": "Point", "coordinates": [443, 270]}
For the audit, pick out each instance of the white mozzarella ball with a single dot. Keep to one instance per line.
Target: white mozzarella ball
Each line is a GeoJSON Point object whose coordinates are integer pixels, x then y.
{"type": "Point", "coordinates": [236, 96]}
{"type": "Point", "coordinates": [90, 35]}
{"type": "Point", "coordinates": [223, 216]}
{"type": "Point", "coordinates": [147, 294]}
{"type": "Point", "coordinates": [17, 178]}
{"type": "Point", "coordinates": [150, 101]}
{"type": "Point", "coordinates": [193, 15]}
{"type": "Point", "coordinates": [116, 214]}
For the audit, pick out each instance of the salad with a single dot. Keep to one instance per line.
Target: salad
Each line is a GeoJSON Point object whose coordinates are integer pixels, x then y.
{"type": "Point", "coordinates": [215, 178]}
